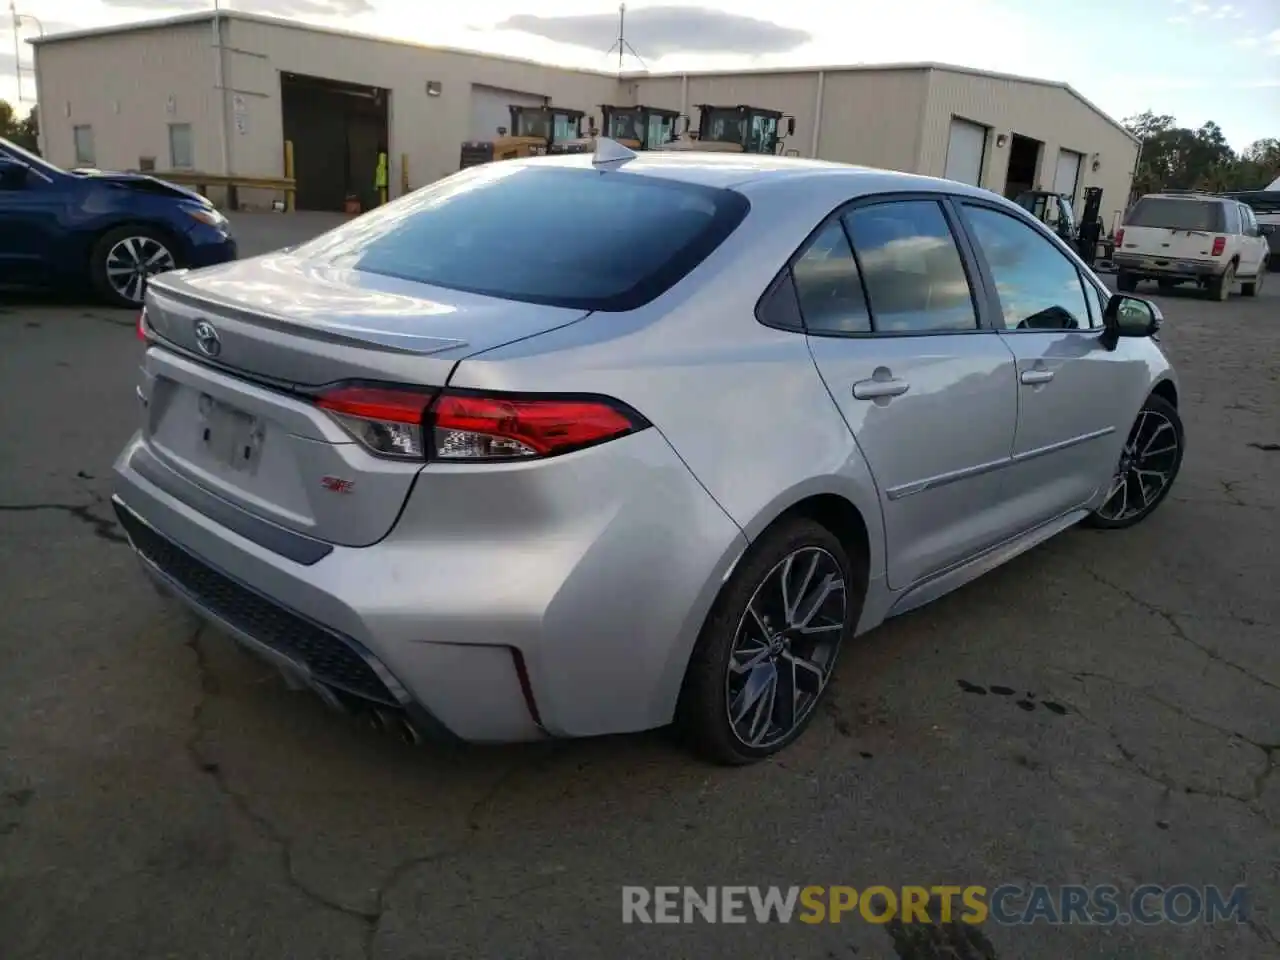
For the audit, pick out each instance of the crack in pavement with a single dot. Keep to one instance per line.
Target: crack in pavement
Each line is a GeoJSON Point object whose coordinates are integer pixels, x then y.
{"type": "Point", "coordinates": [370, 919]}
{"type": "Point", "coordinates": [1172, 620]}
{"type": "Point", "coordinates": [102, 527]}
{"type": "Point", "coordinates": [1270, 751]}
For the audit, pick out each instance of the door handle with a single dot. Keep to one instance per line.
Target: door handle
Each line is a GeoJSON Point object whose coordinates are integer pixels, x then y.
{"type": "Point", "coordinates": [1036, 376]}
{"type": "Point", "coordinates": [875, 389]}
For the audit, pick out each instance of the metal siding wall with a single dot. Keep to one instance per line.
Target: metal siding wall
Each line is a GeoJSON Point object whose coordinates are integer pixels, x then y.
{"type": "Point", "coordinates": [1049, 114]}
{"type": "Point", "coordinates": [430, 130]}
{"type": "Point", "coordinates": [83, 82]}
{"type": "Point", "coordinates": [873, 117]}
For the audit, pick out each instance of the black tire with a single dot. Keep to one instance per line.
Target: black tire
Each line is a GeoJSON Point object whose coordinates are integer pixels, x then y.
{"type": "Point", "coordinates": [155, 253]}
{"type": "Point", "coordinates": [1126, 282]}
{"type": "Point", "coordinates": [1110, 519]}
{"type": "Point", "coordinates": [1220, 286]}
{"type": "Point", "coordinates": [703, 713]}
{"type": "Point", "coordinates": [1250, 288]}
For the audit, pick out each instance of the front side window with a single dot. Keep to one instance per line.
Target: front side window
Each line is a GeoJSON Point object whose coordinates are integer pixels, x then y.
{"type": "Point", "coordinates": [1038, 286]}
{"type": "Point", "coordinates": [915, 279]}
{"type": "Point", "coordinates": [828, 287]}
{"type": "Point", "coordinates": [725, 126]}
{"type": "Point", "coordinates": [764, 132]}
{"type": "Point", "coordinates": [566, 128]}
{"type": "Point", "coordinates": [484, 230]}
{"type": "Point", "coordinates": [659, 131]}
{"type": "Point", "coordinates": [83, 137]}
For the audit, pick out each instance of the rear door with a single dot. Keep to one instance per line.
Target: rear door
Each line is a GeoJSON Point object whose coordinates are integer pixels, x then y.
{"type": "Point", "coordinates": [1072, 402]}
{"type": "Point", "coordinates": [1174, 228]}
{"type": "Point", "coordinates": [929, 394]}
{"type": "Point", "coordinates": [1253, 245]}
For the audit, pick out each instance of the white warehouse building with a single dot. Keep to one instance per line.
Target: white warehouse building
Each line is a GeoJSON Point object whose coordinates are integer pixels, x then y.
{"type": "Point", "coordinates": [220, 94]}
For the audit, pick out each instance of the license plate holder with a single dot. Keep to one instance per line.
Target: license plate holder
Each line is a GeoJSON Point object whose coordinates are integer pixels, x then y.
{"type": "Point", "coordinates": [232, 437]}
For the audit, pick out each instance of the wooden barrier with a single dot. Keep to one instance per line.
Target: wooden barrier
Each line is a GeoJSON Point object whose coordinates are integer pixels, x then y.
{"type": "Point", "coordinates": [233, 183]}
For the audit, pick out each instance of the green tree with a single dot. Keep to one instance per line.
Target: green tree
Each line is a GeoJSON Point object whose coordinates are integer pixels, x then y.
{"type": "Point", "coordinates": [1180, 158]}
{"type": "Point", "coordinates": [25, 133]}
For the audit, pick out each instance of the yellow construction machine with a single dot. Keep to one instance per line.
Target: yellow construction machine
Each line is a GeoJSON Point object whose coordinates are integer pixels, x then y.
{"type": "Point", "coordinates": [534, 131]}
{"type": "Point", "coordinates": [740, 129]}
{"type": "Point", "coordinates": [637, 128]}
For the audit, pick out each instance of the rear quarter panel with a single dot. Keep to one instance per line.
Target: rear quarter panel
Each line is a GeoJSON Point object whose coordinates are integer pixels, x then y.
{"type": "Point", "coordinates": [741, 403]}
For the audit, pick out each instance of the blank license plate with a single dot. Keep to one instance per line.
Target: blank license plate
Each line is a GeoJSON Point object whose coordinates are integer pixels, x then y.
{"type": "Point", "coordinates": [231, 436]}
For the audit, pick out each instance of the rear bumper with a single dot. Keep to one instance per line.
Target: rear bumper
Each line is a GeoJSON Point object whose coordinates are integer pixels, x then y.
{"type": "Point", "coordinates": [570, 614]}
{"type": "Point", "coordinates": [1157, 268]}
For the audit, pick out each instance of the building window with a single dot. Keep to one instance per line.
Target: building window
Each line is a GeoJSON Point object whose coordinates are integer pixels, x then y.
{"type": "Point", "coordinates": [180, 153]}
{"type": "Point", "coordinates": [83, 136]}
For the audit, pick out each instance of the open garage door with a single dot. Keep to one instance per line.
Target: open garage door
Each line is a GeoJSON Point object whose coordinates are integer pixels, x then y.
{"type": "Point", "coordinates": [965, 150]}
{"type": "Point", "coordinates": [1066, 179]}
{"type": "Point", "coordinates": [489, 109]}
{"type": "Point", "coordinates": [337, 130]}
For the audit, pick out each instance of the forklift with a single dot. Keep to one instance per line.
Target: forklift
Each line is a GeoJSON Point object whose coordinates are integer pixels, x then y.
{"type": "Point", "coordinates": [740, 129]}
{"type": "Point", "coordinates": [534, 131]}
{"type": "Point", "coordinates": [1054, 211]}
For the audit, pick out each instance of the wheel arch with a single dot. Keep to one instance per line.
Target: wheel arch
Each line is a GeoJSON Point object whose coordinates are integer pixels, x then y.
{"type": "Point", "coordinates": [1166, 389]}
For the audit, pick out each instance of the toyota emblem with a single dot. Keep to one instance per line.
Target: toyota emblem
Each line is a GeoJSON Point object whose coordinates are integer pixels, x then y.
{"type": "Point", "coordinates": [207, 339]}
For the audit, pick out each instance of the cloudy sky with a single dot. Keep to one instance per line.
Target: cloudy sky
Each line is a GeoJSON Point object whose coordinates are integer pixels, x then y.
{"type": "Point", "coordinates": [1196, 59]}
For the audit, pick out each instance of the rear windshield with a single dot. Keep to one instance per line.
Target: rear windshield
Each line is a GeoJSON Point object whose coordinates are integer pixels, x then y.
{"type": "Point", "coordinates": [568, 237]}
{"type": "Point", "coordinates": [1177, 214]}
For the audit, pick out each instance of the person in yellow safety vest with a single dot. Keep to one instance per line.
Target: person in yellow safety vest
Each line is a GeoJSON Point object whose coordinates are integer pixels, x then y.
{"type": "Point", "coordinates": [380, 177]}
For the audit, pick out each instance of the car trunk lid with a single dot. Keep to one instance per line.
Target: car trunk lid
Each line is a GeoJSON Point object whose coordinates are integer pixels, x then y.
{"type": "Point", "coordinates": [1173, 228]}
{"type": "Point", "coordinates": [239, 353]}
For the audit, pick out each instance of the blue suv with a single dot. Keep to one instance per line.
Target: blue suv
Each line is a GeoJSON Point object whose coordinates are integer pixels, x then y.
{"type": "Point", "coordinates": [109, 231]}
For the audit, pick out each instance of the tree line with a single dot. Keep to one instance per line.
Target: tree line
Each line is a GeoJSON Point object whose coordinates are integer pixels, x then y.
{"type": "Point", "coordinates": [24, 132]}
{"type": "Point", "coordinates": [1180, 158]}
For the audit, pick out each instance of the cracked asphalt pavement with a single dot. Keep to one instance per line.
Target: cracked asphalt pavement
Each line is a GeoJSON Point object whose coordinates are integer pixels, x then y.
{"type": "Point", "coordinates": [1105, 709]}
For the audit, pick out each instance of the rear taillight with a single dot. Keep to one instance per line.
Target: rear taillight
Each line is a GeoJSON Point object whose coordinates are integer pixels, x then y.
{"type": "Point", "coordinates": [412, 424]}
{"type": "Point", "coordinates": [488, 427]}
{"type": "Point", "coordinates": [387, 420]}
{"type": "Point", "coordinates": [1120, 237]}
{"type": "Point", "coordinates": [1219, 244]}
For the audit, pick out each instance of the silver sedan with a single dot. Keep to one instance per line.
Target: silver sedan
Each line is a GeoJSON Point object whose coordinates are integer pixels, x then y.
{"type": "Point", "coordinates": [591, 444]}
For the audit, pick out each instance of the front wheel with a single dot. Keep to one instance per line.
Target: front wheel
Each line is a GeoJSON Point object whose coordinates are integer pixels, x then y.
{"type": "Point", "coordinates": [1254, 286]}
{"type": "Point", "coordinates": [124, 259]}
{"type": "Point", "coordinates": [767, 650]}
{"type": "Point", "coordinates": [1149, 463]}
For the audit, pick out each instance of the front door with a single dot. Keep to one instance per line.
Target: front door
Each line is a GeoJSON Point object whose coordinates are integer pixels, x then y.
{"type": "Point", "coordinates": [1070, 427]}
{"type": "Point", "coordinates": [929, 395]}
{"type": "Point", "coordinates": [30, 208]}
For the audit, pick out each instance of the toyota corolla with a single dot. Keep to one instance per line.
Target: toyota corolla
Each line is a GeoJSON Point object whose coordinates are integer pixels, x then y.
{"type": "Point", "coordinates": [590, 444]}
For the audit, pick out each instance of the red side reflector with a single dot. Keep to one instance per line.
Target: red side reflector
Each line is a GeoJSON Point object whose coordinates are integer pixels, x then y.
{"type": "Point", "coordinates": [388, 405]}
{"type": "Point", "coordinates": [1120, 237]}
{"type": "Point", "coordinates": [1219, 244]}
{"type": "Point", "coordinates": [545, 426]}
{"type": "Point", "coordinates": [142, 325]}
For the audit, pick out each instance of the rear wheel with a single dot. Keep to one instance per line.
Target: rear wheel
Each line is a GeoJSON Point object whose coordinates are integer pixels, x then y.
{"type": "Point", "coordinates": [1252, 287]}
{"type": "Point", "coordinates": [1220, 286]}
{"type": "Point", "coordinates": [767, 650]}
{"type": "Point", "coordinates": [1126, 282]}
{"type": "Point", "coordinates": [124, 259]}
{"type": "Point", "coordinates": [1149, 463]}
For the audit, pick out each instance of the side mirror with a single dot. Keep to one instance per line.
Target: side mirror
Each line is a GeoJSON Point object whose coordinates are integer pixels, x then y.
{"type": "Point", "coordinates": [13, 173]}
{"type": "Point", "coordinates": [1266, 229]}
{"type": "Point", "coordinates": [1127, 316]}
{"type": "Point", "coordinates": [791, 126]}
{"type": "Point", "coordinates": [502, 131]}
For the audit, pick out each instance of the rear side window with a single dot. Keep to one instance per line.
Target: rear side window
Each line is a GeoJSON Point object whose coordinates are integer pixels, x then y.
{"type": "Point", "coordinates": [1174, 213]}
{"type": "Point", "coordinates": [911, 265]}
{"type": "Point", "coordinates": [828, 286]}
{"type": "Point", "coordinates": [568, 237]}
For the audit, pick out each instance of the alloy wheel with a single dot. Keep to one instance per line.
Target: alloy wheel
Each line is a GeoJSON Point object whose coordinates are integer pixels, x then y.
{"type": "Point", "coordinates": [1148, 463]}
{"type": "Point", "coordinates": [785, 647]}
{"type": "Point", "coordinates": [131, 261]}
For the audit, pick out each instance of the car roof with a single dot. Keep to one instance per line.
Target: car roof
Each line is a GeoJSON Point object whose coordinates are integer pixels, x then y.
{"type": "Point", "coordinates": [765, 171]}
